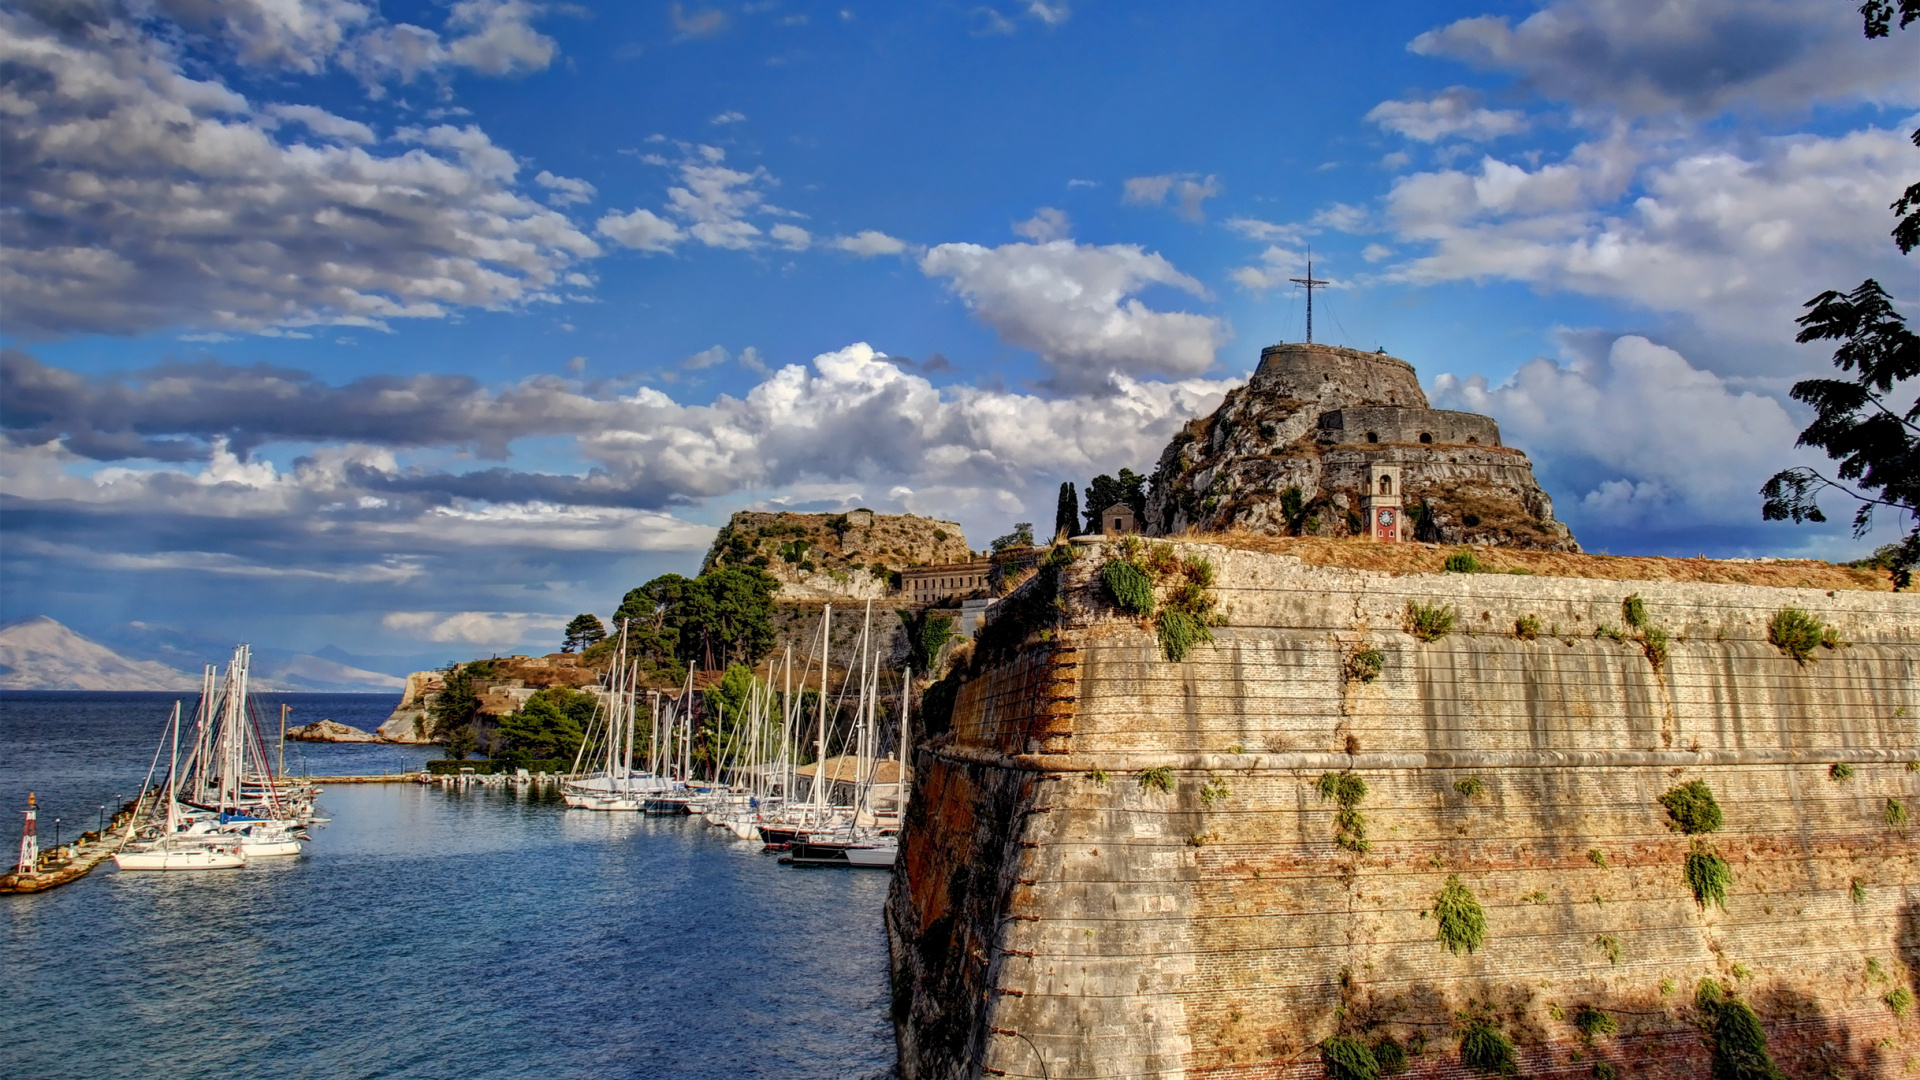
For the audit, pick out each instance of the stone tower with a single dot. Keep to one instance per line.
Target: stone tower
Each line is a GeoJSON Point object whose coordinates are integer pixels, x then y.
{"type": "Point", "coordinates": [1334, 423]}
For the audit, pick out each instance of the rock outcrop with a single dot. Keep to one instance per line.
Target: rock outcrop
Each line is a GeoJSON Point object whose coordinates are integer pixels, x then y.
{"type": "Point", "coordinates": [850, 556]}
{"type": "Point", "coordinates": [502, 683]}
{"type": "Point", "coordinates": [1116, 865]}
{"type": "Point", "coordinates": [1315, 418]}
{"type": "Point", "coordinates": [409, 722]}
{"type": "Point", "coordinates": [329, 731]}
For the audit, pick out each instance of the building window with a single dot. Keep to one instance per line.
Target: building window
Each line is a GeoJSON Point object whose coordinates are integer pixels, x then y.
{"type": "Point", "coordinates": [1426, 436]}
{"type": "Point", "coordinates": [1373, 436]}
{"type": "Point", "coordinates": [1473, 440]}
{"type": "Point", "coordinates": [1386, 485]}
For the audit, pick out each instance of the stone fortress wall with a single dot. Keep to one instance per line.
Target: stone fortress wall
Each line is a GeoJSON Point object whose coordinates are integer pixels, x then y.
{"type": "Point", "coordinates": [1055, 916]}
{"type": "Point", "coordinates": [1366, 427]}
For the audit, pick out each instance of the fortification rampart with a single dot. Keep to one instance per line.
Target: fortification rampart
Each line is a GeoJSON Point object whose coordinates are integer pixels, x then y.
{"type": "Point", "coordinates": [1368, 426]}
{"type": "Point", "coordinates": [1057, 914]}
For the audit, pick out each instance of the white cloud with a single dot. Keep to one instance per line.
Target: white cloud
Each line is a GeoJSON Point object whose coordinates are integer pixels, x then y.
{"type": "Point", "coordinates": [699, 23]}
{"type": "Point", "coordinates": [1451, 114]}
{"type": "Point", "coordinates": [791, 237]}
{"type": "Point", "coordinates": [1255, 229]}
{"type": "Point", "coordinates": [321, 123]}
{"type": "Point", "coordinates": [706, 358]}
{"type": "Point", "coordinates": [1645, 57]}
{"type": "Point", "coordinates": [1277, 264]}
{"type": "Point", "coordinates": [472, 627]}
{"type": "Point", "coordinates": [1635, 434]}
{"type": "Point", "coordinates": [731, 116]}
{"type": "Point", "coordinates": [1052, 14]}
{"type": "Point", "coordinates": [1187, 191]}
{"type": "Point", "coordinates": [160, 200]}
{"type": "Point", "coordinates": [1732, 240]}
{"type": "Point", "coordinates": [869, 243]}
{"type": "Point", "coordinates": [566, 191]}
{"type": "Point", "coordinates": [1074, 304]}
{"type": "Point", "coordinates": [1047, 223]}
{"type": "Point", "coordinates": [642, 230]}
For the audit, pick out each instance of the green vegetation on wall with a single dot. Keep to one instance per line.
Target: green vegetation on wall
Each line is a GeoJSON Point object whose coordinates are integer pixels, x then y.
{"type": "Point", "coordinates": [1429, 622]}
{"type": "Point", "coordinates": [1795, 633]}
{"type": "Point", "coordinates": [1462, 921]}
{"type": "Point", "coordinates": [1487, 1049]}
{"type": "Point", "coordinates": [1349, 825]}
{"type": "Point", "coordinates": [1708, 876]}
{"type": "Point", "coordinates": [1692, 809]}
{"type": "Point", "coordinates": [1739, 1042]}
{"type": "Point", "coordinates": [1364, 664]}
{"type": "Point", "coordinates": [1137, 573]}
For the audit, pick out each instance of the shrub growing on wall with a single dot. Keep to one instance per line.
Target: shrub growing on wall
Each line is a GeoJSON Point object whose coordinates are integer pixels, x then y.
{"type": "Point", "coordinates": [1349, 824]}
{"type": "Point", "coordinates": [1692, 808]}
{"type": "Point", "coordinates": [1463, 562]}
{"type": "Point", "coordinates": [1347, 1058]}
{"type": "Point", "coordinates": [1486, 1048]}
{"type": "Point", "coordinates": [1739, 1042]}
{"type": "Point", "coordinates": [1365, 664]}
{"type": "Point", "coordinates": [1429, 622]}
{"type": "Point", "coordinates": [1795, 633]}
{"type": "Point", "coordinates": [1708, 875]}
{"type": "Point", "coordinates": [1130, 587]}
{"type": "Point", "coordinates": [1463, 923]}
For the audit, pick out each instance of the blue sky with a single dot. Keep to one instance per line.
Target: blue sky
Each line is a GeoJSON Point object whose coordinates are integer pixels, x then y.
{"type": "Point", "coordinates": [406, 327]}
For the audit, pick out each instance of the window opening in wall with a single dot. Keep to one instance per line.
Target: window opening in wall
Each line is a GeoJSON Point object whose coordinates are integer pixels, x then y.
{"type": "Point", "coordinates": [1473, 440]}
{"type": "Point", "coordinates": [1426, 436]}
{"type": "Point", "coordinates": [1386, 485]}
{"type": "Point", "coordinates": [1373, 436]}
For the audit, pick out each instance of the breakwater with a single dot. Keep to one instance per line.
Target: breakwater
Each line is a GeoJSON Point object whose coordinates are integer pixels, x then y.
{"type": "Point", "coordinates": [1117, 865]}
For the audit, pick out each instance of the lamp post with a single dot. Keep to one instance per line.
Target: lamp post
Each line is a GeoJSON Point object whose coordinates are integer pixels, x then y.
{"type": "Point", "coordinates": [102, 828]}
{"type": "Point", "coordinates": [56, 832]}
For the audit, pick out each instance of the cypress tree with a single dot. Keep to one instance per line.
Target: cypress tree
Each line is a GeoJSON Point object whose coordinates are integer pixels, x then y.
{"type": "Point", "coordinates": [1066, 513]}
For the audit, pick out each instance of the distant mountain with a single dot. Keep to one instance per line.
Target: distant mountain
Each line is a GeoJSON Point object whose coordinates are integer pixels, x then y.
{"type": "Point", "coordinates": [301, 671]}
{"type": "Point", "coordinates": [37, 653]}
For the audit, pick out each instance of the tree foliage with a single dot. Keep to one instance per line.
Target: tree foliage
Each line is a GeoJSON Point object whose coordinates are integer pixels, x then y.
{"type": "Point", "coordinates": [1066, 512]}
{"type": "Point", "coordinates": [1876, 445]}
{"type": "Point", "coordinates": [722, 617]}
{"type": "Point", "coordinates": [459, 702]}
{"type": "Point", "coordinates": [927, 637]}
{"type": "Point", "coordinates": [550, 724]}
{"type": "Point", "coordinates": [584, 631]}
{"type": "Point", "coordinates": [1020, 537]}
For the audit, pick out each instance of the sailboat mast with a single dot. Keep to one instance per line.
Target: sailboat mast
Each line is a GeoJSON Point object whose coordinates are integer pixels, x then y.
{"type": "Point", "coordinates": [900, 749]}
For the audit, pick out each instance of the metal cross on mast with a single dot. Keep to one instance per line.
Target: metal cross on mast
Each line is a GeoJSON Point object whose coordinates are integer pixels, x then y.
{"type": "Point", "coordinates": [1311, 283]}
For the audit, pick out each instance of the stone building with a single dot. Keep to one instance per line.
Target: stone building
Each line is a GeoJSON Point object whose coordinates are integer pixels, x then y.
{"type": "Point", "coordinates": [1118, 520]}
{"type": "Point", "coordinates": [926, 584]}
{"type": "Point", "coordinates": [1337, 424]}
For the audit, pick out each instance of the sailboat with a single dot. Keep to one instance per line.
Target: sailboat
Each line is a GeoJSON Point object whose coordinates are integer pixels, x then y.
{"type": "Point", "coordinates": [227, 786]}
{"type": "Point", "coordinates": [169, 846]}
{"type": "Point", "coordinates": [614, 785]}
{"type": "Point", "coordinates": [859, 838]}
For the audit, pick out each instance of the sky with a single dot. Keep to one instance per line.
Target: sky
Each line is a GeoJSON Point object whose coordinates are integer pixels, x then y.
{"type": "Point", "coordinates": [414, 327]}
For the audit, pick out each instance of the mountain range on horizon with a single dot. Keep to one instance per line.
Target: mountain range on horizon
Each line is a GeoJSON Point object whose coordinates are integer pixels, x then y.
{"type": "Point", "coordinates": [40, 653]}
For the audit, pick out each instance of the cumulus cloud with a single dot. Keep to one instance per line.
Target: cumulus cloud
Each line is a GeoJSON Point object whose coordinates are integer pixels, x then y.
{"type": "Point", "coordinates": [1451, 114]}
{"type": "Point", "coordinates": [697, 23]}
{"type": "Point", "coordinates": [731, 116]}
{"type": "Point", "coordinates": [1255, 229]}
{"type": "Point", "coordinates": [1075, 305]}
{"type": "Point", "coordinates": [471, 627]}
{"type": "Point", "coordinates": [1047, 223]}
{"type": "Point", "coordinates": [869, 243]}
{"type": "Point", "coordinates": [1187, 193]}
{"type": "Point", "coordinates": [641, 230]}
{"type": "Point", "coordinates": [1277, 264]}
{"type": "Point", "coordinates": [1630, 434]}
{"type": "Point", "coordinates": [566, 191]}
{"type": "Point", "coordinates": [139, 197]}
{"type": "Point", "coordinates": [1644, 57]}
{"type": "Point", "coordinates": [710, 205]}
{"type": "Point", "coordinates": [791, 237]}
{"type": "Point", "coordinates": [1734, 240]}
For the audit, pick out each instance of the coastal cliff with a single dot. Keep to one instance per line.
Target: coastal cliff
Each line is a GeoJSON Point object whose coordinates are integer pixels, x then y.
{"type": "Point", "coordinates": [1119, 865]}
{"type": "Point", "coordinates": [850, 556]}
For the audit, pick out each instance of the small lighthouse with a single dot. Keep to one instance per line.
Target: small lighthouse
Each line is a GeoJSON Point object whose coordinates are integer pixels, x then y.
{"type": "Point", "coordinates": [29, 842]}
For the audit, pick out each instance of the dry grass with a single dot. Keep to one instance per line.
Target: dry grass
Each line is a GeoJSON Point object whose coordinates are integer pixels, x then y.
{"type": "Point", "coordinates": [1363, 554]}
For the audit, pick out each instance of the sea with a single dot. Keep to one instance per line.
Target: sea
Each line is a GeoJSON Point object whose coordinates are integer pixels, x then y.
{"type": "Point", "coordinates": [427, 932]}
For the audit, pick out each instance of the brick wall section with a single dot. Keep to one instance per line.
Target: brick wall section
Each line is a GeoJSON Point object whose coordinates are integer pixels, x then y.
{"type": "Point", "coordinates": [1136, 933]}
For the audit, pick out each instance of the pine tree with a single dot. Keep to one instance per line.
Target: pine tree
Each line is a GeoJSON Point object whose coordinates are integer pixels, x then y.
{"type": "Point", "coordinates": [583, 631]}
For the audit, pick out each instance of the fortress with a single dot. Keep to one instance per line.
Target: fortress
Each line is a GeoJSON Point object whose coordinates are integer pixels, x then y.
{"type": "Point", "coordinates": [1351, 432]}
{"type": "Point", "coordinates": [1365, 823]}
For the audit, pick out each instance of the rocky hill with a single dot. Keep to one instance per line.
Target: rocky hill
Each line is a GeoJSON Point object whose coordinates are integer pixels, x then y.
{"type": "Point", "coordinates": [849, 556]}
{"type": "Point", "coordinates": [1317, 418]}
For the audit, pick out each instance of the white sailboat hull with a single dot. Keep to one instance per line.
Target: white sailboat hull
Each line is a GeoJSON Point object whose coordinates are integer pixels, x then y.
{"type": "Point", "coordinates": [180, 859]}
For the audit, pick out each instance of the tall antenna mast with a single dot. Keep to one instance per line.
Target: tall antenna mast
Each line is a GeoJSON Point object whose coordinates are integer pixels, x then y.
{"type": "Point", "coordinates": [1311, 283]}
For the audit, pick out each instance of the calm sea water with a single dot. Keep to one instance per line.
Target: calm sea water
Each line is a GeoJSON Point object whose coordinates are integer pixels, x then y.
{"type": "Point", "coordinates": [425, 934]}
